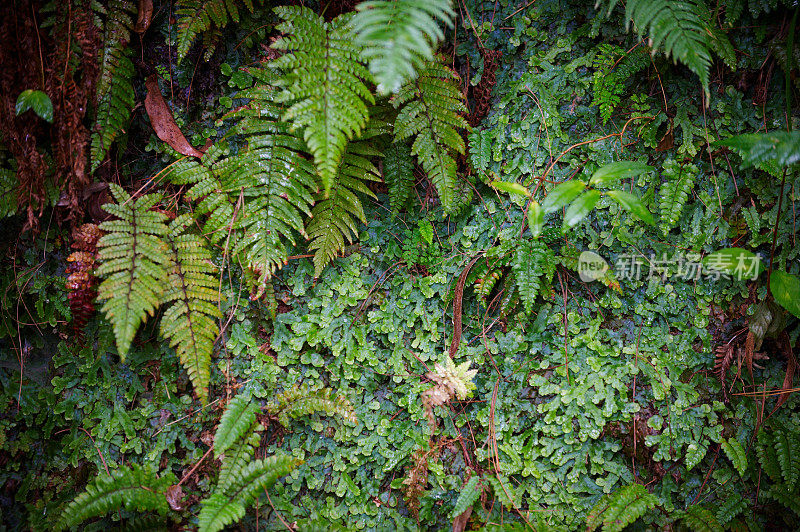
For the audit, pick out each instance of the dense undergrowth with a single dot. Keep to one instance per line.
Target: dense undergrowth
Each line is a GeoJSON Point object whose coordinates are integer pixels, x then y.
{"type": "Point", "coordinates": [380, 290]}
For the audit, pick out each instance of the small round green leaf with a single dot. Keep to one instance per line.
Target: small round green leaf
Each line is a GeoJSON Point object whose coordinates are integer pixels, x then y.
{"type": "Point", "coordinates": [579, 208]}
{"type": "Point", "coordinates": [737, 262]}
{"type": "Point", "coordinates": [36, 100]}
{"type": "Point", "coordinates": [785, 288]}
{"type": "Point", "coordinates": [618, 170]}
{"type": "Point", "coordinates": [535, 218]}
{"type": "Point", "coordinates": [562, 194]}
{"type": "Point", "coordinates": [511, 188]}
{"type": "Point", "coordinates": [632, 204]}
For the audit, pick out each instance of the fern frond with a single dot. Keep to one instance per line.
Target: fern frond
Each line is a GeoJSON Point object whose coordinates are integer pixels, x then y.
{"type": "Point", "coordinates": [190, 320]}
{"type": "Point", "coordinates": [398, 36]}
{"type": "Point", "coordinates": [254, 199]}
{"type": "Point", "coordinates": [134, 488]}
{"type": "Point", "coordinates": [134, 262]}
{"type": "Point", "coordinates": [398, 174]}
{"type": "Point", "coordinates": [323, 84]}
{"type": "Point", "coordinates": [617, 510]}
{"type": "Point", "coordinates": [700, 519]}
{"type": "Point", "coordinates": [236, 422]}
{"type": "Point", "coordinates": [731, 508]}
{"type": "Point", "coordinates": [480, 149]}
{"type": "Point", "coordinates": [736, 453]}
{"type": "Point", "coordinates": [302, 401]}
{"type": "Point", "coordinates": [199, 16]}
{"type": "Point", "coordinates": [430, 111]}
{"type": "Point", "coordinates": [334, 219]}
{"type": "Point", "coordinates": [779, 147]}
{"type": "Point", "coordinates": [469, 494]}
{"type": "Point", "coordinates": [238, 455]}
{"type": "Point", "coordinates": [114, 97]}
{"type": "Point", "coordinates": [683, 30]}
{"type": "Point", "coordinates": [223, 508]}
{"type": "Point", "coordinates": [533, 265]}
{"type": "Point", "coordinates": [677, 184]}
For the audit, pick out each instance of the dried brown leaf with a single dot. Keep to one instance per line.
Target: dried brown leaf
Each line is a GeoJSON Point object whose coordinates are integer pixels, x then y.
{"type": "Point", "coordinates": [163, 122]}
{"type": "Point", "coordinates": [145, 16]}
{"type": "Point", "coordinates": [174, 497]}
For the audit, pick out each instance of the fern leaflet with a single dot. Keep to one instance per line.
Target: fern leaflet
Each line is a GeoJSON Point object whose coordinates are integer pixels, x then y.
{"type": "Point", "coordinates": [190, 321]}
{"type": "Point", "coordinates": [254, 199]}
{"type": "Point", "coordinates": [469, 494]}
{"type": "Point", "coordinates": [398, 173]}
{"type": "Point", "coordinates": [323, 84]}
{"type": "Point", "coordinates": [700, 519]}
{"type": "Point", "coordinates": [302, 401]}
{"type": "Point", "coordinates": [683, 30]}
{"type": "Point", "coordinates": [398, 36]}
{"type": "Point", "coordinates": [430, 111]}
{"type": "Point", "coordinates": [228, 506]}
{"type": "Point", "coordinates": [115, 94]}
{"type": "Point", "coordinates": [134, 488]}
{"type": "Point", "coordinates": [534, 265]}
{"type": "Point", "coordinates": [334, 219]}
{"type": "Point", "coordinates": [134, 262]}
{"type": "Point", "coordinates": [236, 422]}
{"type": "Point", "coordinates": [621, 508]}
{"type": "Point", "coordinates": [199, 16]}
{"type": "Point", "coordinates": [677, 185]}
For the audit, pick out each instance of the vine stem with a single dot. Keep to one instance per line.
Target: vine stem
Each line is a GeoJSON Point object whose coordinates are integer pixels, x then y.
{"type": "Point", "coordinates": [194, 468]}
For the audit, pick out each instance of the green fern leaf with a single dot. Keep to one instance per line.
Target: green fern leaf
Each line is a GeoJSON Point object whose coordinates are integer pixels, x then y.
{"type": "Point", "coordinates": [190, 320]}
{"type": "Point", "coordinates": [398, 173]}
{"type": "Point", "coordinates": [480, 149]}
{"type": "Point", "coordinates": [114, 96]}
{"type": "Point", "coordinates": [736, 453]}
{"type": "Point", "coordinates": [254, 200]}
{"type": "Point", "coordinates": [533, 265]}
{"type": "Point", "coordinates": [323, 84]}
{"type": "Point", "coordinates": [733, 506]}
{"type": "Point", "coordinates": [302, 401]}
{"type": "Point", "coordinates": [700, 519]}
{"type": "Point", "coordinates": [469, 494]}
{"type": "Point", "coordinates": [430, 111]}
{"type": "Point", "coordinates": [785, 495]}
{"type": "Point", "coordinates": [677, 185]}
{"type": "Point", "coordinates": [334, 218]}
{"type": "Point", "coordinates": [133, 488]}
{"type": "Point", "coordinates": [398, 36]}
{"type": "Point", "coordinates": [8, 195]}
{"type": "Point", "coordinates": [767, 456]}
{"type": "Point", "coordinates": [683, 30]}
{"type": "Point", "coordinates": [199, 16]}
{"type": "Point", "coordinates": [224, 508]}
{"type": "Point", "coordinates": [237, 456]}
{"type": "Point", "coordinates": [237, 421]}
{"type": "Point", "coordinates": [621, 508]}
{"type": "Point", "coordinates": [786, 450]}
{"type": "Point", "coordinates": [134, 262]}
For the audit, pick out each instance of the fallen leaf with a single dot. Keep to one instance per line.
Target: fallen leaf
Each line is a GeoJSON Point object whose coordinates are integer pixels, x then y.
{"type": "Point", "coordinates": [174, 497]}
{"type": "Point", "coordinates": [163, 122]}
{"type": "Point", "coordinates": [145, 16]}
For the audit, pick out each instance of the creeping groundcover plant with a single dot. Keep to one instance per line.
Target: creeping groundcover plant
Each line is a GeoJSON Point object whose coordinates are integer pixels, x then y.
{"type": "Point", "coordinates": [399, 265]}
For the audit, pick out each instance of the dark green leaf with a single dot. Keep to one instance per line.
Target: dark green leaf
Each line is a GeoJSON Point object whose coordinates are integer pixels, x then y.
{"type": "Point", "coordinates": [632, 204]}
{"type": "Point", "coordinates": [785, 288]}
{"type": "Point", "coordinates": [618, 170]}
{"type": "Point", "coordinates": [562, 194]}
{"type": "Point", "coordinates": [36, 100]}
{"type": "Point", "coordinates": [578, 210]}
